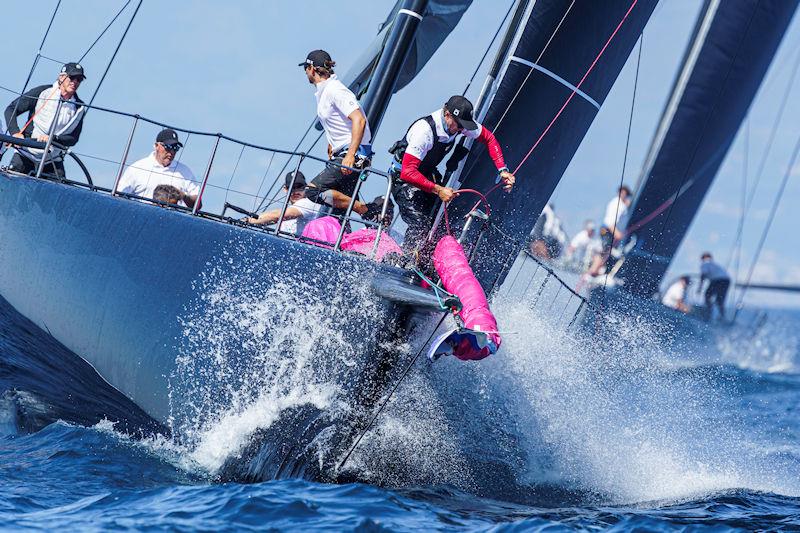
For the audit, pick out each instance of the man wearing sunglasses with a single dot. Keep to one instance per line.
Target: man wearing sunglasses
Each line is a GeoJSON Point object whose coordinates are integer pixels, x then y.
{"type": "Point", "coordinates": [161, 168]}
{"type": "Point", "coordinates": [40, 103]}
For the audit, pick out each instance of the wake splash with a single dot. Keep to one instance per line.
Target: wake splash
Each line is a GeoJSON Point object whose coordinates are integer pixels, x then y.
{"type": "Point", "coordinates": [612, 420]}
{"type": "Point", "coordinates": [260, 345]}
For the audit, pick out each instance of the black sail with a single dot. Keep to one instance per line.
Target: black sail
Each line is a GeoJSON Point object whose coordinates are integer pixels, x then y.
{"type": "Point", "coordinates": [732, 46]}
{"type": "Point", "coordinates": [557, 43]}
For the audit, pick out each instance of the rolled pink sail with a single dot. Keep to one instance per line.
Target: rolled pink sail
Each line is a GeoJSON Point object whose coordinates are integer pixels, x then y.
{"type": "Point", "coordinates": [326, 229]}
{"type": "Point", "coordinates": [457, 277]}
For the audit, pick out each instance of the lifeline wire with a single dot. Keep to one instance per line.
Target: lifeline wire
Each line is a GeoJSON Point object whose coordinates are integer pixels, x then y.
{"type": "Point", "coordinates": [389, 396]}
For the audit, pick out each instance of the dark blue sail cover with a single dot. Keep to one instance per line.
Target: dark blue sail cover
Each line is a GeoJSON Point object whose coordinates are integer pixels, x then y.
{"type": "Point", "coordinates": [556, 44]}
{"type": "Point", "coordinates": [733, 44]}
{"type": "Point", "coordinates": [439, 19]}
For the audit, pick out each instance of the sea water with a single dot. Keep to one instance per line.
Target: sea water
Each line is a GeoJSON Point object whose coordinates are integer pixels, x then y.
{"type": "Point", "coordinates": [557, 430]}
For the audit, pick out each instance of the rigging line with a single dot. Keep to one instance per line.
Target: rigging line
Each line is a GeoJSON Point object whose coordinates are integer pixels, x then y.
{"type": "Point", "coordinates": [104, 31]}
{"type": "Point", "coordinates": [477, 149]}
{"type": "Point", "coordinates": [539, 58]}
{"type": "Point", "coordinates": [577, 87]}
{"type": "Point", "coordinates": [767, 227]}
{"type": "Point", "coordinates": [116, 50]}
{"type": "Point", "coordinates": [488, 48]}
{"type": "Point", "coordinates": [296, 148]}
{"type": "Point", "coordinates": [770, 142]}
{"type": "Point", "coordinates": [258, 193]}
{"type": "Point", "coordinates": [627, 146]}
{"type": "Point", "coordinates": [35, 60]}
{"type": "Point", "coordinates": [235, 167]}
{"type": "Point", "coordinates": [736, 250]}
{"type": "Point", "coordinates": [706, 124]}
{"type": "Point", "coordinates": [389, 396]}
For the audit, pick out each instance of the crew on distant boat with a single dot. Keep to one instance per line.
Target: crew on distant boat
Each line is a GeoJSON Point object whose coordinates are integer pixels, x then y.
{"type": "Point", "coordinates": [675, 296]}
{"type": "Point", "coordinates": [613, 229]}
{"type": "Point", "coordinates": [41, 103]}
{"type": "Point", "coordinates": [416, 181]}
{"type": "Point", "coordinates": [548, 238]}
{"type": "Point", "coordinates": [161, 168]}
{"type": "Point", "coordinates": [300, 211]}
{"type": "Point", "coordinates": [583, 245]}
{"type": "Point", "coordinates": [718, 284]}
{"type": "Point", "coordinates": [348, 135]}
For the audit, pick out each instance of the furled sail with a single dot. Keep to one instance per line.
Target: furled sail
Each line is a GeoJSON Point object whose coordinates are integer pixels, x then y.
{"type": "Point", "coordinates": [557, 72]}
{"type": "Point", "coordinates": [732, 46]}
{"type": "Point", "coordinates": [439, 19]}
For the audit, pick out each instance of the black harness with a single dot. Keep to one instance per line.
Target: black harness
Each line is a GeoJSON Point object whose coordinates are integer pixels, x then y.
{"type": "Point", "coordinates": [435, 155]}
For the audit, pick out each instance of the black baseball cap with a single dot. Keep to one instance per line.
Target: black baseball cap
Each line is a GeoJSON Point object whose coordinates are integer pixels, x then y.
{"type": "Point", "coordinates": [316, 58]}
{"type": "Point", "coordinates": [461, 109]}
{"type": "Point", "coordinates": [168, 136]}
{"type": "Point", "coordinates": [299, 183]}
{"type": "Point", "coordinates": [72, 69]}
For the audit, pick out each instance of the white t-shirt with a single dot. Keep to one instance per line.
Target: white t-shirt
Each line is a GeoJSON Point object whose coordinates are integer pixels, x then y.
{"type": "Point", "coordinates": [583, 245]}
{"type": "Point", "coordinates": [616, 214]}
{"type": "Point", "coordinates": [142, 177]}
{"type": "Point", "coordinates": [420, 136]}
{"type": "Point", "coordinates": [712, 271]}
{"type": "Point", "coordinates": [335, 103]}
{"type": "Point", "coordinates": [310, 210]}
{"type": "Point", "coordinates": [674, 295]}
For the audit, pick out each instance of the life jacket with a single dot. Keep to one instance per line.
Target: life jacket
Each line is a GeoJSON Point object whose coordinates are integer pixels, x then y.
{"type": "Point", "coordinates": [435, 155]}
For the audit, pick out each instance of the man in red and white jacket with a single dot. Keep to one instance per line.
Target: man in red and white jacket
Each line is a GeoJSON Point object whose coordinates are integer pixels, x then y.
{"type": "Point", "coordinates": [417, 182]}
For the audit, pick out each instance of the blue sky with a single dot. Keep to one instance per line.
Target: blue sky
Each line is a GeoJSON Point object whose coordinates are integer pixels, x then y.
{"type": "Point", "coordinates": [231, 68]}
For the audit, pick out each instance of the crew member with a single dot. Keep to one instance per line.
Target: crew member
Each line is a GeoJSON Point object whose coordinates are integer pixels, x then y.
{"type": "Point", "coordinates": [298, 213]}
{"type": "Point", "coordinates": [40, 103]}
{"type": "Point", "coordinates": [675, 297]}
{"type": "Point", "coordinates": [718, 284]}
{"type": "Point", "coordinates": [417, 183]}
{"type": "Point", "coordinates": [348, 136]}
{"type": "Point", "coordinates": [582, 245]}
{"type": "Point", "coordinates": [161, 168]}
{"type": "Point", "coordinates": [613, 229]}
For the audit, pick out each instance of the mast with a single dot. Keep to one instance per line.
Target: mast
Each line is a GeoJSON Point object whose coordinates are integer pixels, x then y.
{"type": "Point", "coordinates": [394, 55]}
{"type": "Point", "coordinates": [732, 46]}
{"type": "Point", "coordinates": [558, 45]}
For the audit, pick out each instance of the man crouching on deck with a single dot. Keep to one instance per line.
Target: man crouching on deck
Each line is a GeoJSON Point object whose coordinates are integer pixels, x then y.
{"type": "Point", "coordinates": [417, 183]}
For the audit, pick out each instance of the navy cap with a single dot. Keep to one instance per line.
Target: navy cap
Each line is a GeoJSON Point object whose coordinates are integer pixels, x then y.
{"type": "Point", "coordinates": [316, 58]}
{"type": "Point", "coordinates": [299, 183]}
{"type": "Point", "coordinates": [168, 136]}
{"type": "Point", "coordinates": [461, 109]}
{"type": "Point", "coordinates": [72, 69]}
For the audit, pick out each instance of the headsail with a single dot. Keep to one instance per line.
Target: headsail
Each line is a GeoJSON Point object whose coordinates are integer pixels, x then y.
{"type": "Point", "coordinates": [439, 19]}
{"type": "Point", "coordinates": [733, 44]}
{"type": "Point", "coordinates": [559, 45]}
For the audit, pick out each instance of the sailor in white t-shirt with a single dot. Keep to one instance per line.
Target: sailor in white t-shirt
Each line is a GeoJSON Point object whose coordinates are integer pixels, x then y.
{"type": "Point", "coordinates": [299, 212]}
{"type": "Point", "coordinates": [160, 168]}
{"type": "Point", "coordinates": [613, 228]}
{"type": "Point", "coordinates": [348, 135]}
{"type": "Point", "coordinates": [583, 245]}
{"type": "Point", "coordinates": [675, 296]}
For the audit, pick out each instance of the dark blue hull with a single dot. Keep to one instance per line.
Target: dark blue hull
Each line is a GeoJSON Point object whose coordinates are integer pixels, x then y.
{"type": "Point", "coordinates": [195, 321]}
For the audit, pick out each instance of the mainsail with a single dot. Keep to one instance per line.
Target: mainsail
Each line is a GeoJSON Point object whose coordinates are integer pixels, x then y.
{"type": "Point", "coordinates": [732, 46]}
{"type": "Point", "coordinates": [562, 62]}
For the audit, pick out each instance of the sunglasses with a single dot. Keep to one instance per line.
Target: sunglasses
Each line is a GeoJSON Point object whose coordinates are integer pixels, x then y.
{"type": "Point", "coordinates": [77, 78]}
{"type": "Point", "coordinates": [172, 147]}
